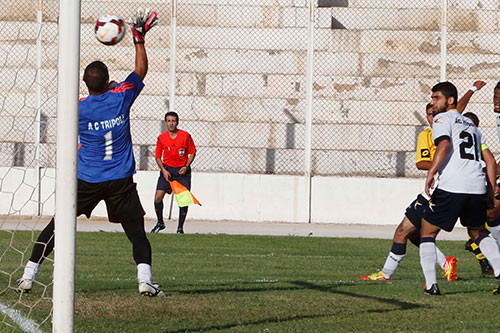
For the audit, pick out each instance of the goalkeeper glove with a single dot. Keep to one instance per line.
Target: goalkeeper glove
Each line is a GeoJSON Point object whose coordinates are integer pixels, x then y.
{"type": "Point", "coordinates": [144, 21]}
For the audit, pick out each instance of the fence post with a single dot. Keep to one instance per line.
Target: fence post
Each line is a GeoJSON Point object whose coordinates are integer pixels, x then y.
{"type": "Point", "coordinates": [38, 94]}
{"type": "Point", "coordinates": [309, 92]}
{"type": "Point", "coordinates": [173, 28]}
{"type": "Point", "coordinates": [444, 38]}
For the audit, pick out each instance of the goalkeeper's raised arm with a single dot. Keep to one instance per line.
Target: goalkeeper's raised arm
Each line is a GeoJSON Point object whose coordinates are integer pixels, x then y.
{"type": "Point", "coordinates": [142, 23]}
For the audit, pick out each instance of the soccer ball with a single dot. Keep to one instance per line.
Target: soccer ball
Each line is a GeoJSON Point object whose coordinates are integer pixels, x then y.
{"type": "Point", "coordinates": [109, 29]}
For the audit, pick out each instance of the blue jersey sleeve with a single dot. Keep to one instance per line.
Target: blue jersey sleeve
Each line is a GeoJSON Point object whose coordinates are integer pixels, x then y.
{"type": "Point", "coordinates": [137, 84]}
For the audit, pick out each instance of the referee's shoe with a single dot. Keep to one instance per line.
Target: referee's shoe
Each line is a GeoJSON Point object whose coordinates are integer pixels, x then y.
{"type": "Point", "coordinates": [158, 227]}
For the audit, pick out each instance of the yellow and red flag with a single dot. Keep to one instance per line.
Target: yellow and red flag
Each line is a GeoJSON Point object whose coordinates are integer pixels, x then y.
{"type": "Point", "coordinates": [182, 195]}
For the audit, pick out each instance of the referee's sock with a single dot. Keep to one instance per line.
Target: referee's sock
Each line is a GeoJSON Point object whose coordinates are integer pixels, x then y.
{"type": "Point", "coordinates": [159, 211]}
{"type": "Point", "coordinates": [182, 217]}
{"type": "Point", "coordinates": [428, 260]}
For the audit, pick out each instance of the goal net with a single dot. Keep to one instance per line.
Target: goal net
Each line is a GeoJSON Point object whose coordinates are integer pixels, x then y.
{"type": "Point", "coordinates": [27, 154]}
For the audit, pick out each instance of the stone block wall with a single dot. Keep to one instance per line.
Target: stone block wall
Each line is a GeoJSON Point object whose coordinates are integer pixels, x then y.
{"type": "Point", "coordinates": [240, 79]}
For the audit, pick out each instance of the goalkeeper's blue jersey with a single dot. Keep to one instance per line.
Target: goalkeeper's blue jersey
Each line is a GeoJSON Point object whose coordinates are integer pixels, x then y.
{"type": "Point", "coordinates": [105, 150]}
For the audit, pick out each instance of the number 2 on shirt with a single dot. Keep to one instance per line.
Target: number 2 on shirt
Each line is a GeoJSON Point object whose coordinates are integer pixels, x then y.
{"type": "Point", "coordinates": [108, 144]}
{"type": "Point", "coordinates": [469, 142]}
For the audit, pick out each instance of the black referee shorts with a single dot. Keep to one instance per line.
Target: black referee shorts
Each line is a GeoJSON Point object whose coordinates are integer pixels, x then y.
{"type": "Point", "coordinates": [185, 179]}
{"type": "Point", "coordinates": [120, 195]}
{"type": "Point", "coordinates": [445, 208]}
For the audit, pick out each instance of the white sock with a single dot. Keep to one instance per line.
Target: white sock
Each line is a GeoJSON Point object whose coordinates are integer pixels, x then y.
{"type": "Point", "coordinates": [391, 264]}
{"type": "Point", "coordinates": [495, 232]}
{"type": "Point", "coordinates": [441, 258]}
{"type": "Point", "coordinates": [144, 273]}
{"type": "Point", "coordinates": [489, 248]}
{"type": "Point", "coordinates": [31, 270]}
{"type": "Point", "coordinates": [428, 262]}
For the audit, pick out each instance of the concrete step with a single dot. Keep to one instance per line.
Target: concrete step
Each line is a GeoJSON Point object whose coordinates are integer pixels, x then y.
{"type": "Point", "coordinates": [262, 86]}
{"type": "Point", "coordinates": [343, 106]}
{"type": "Point", "coordinates": [468, 15]}
{"type": "Point", "coordinates": [252, 160]}
{"type": "Point", "coordinates": [326, 136]}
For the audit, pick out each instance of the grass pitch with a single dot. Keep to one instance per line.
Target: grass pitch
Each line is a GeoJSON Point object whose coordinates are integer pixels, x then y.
{"type": "Point", "coordinates": [253, 284]}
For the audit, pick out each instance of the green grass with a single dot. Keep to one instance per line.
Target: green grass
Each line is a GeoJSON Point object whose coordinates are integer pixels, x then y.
{"type": "Point", "coordinates": [254, 283]}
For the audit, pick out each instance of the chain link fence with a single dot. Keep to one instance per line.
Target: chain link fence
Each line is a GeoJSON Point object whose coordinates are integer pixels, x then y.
{"type": "Point", "coordinates": [241, 80]}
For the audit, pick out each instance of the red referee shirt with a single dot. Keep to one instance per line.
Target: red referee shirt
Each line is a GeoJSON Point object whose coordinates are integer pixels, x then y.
{"type": "Point", "coordinates": [175, 151]}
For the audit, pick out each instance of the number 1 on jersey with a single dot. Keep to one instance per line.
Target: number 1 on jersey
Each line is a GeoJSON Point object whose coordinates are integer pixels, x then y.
{"type": "Point", "coordinates": [108, 145]}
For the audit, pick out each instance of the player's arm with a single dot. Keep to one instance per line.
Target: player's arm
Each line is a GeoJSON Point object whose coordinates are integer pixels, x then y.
{"type": "Point", "coordinates": [441, 151]}
{"type": "Point", "coordinates": [141, 61]}
{"type": "Point", "coordinates": [423, 151]}
{"type": "Point", "coordinates": [491, 165]}
{"type": "Point", "coordinates": [143, 22]}
{"type": "Point", "coordinates": [462, 103]}
{"type": "Point", "coordinates": [424, 165]}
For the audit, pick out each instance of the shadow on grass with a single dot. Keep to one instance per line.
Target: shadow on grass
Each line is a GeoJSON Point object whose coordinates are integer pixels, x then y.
{"type": "Point", "coordinates": [230, 287]}
{"type": "Point", "coordinates": [401, 304]}
{"type": "Point", "coordinates": [302, 285]}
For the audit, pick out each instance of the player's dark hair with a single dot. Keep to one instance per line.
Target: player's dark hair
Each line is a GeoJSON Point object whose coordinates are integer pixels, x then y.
{"type": "Point", "coordinates": [448, 89]}
{"type": "Point", "coordinates": [498, 85]}
{"type": "Point", "coordinates": [172, 114]}
{"type": "Point", "coordinates": [95, 76]}
{"type": "Point", "coordinates": [428, 106]}
{"type": "Point", "coordinates": [473, 117]}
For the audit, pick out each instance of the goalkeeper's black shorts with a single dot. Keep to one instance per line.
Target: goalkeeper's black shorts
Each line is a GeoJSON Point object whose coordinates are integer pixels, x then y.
{"type": "Point", "coordinates": [120, 195]}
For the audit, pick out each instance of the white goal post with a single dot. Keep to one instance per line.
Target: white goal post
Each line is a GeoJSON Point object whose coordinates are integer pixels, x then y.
{"type": "Point", "coordinates": [66, 165]}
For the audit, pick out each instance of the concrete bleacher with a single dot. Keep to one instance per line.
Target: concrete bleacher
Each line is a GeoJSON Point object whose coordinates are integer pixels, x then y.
{"type": "Point", "coordinates": [241, 80]}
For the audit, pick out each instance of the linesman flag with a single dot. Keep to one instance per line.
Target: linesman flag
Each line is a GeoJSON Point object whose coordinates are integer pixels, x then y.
{"type": "Point", "coordinates": [183, 197]}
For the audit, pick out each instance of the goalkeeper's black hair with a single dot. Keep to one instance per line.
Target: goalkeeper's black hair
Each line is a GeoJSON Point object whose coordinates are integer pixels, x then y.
{"type": "Point", "coordinates": [172, 114]}
{"type": "Point", "coordinates": [498, 85]}
{"type": "Point", "coordinates": [448, 89]}
{"type": "Point", "coordinates": [428, 106]}
{"type": "Point", "coordinates": [95, 76]}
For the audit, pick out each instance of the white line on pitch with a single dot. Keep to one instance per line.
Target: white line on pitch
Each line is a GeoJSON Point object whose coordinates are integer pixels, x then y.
{"type": "Point", "coordinates": [27, 325]}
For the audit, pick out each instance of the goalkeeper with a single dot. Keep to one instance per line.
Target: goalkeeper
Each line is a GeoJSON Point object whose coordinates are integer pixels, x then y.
{"type": "Point", "coordinates": [106, 161]}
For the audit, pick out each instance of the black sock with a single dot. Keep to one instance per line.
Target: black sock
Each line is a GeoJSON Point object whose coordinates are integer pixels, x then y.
{"type": "Point", "coordinates": [44, 244]}
{"type": "Point", "coordinates": [159, 211]}
{"type": "Point", "coordinates": [141, 248]}
{"type": "Point", "coordinates": [182, 216]}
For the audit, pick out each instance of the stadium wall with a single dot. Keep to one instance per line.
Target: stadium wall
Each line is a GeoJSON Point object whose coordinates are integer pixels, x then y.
{"type": "Point", "coordinates": [246, 197]}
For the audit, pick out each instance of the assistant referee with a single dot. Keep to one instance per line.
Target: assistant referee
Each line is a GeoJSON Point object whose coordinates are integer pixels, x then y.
{"type": "Point", "coordinates": [178, 151]}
